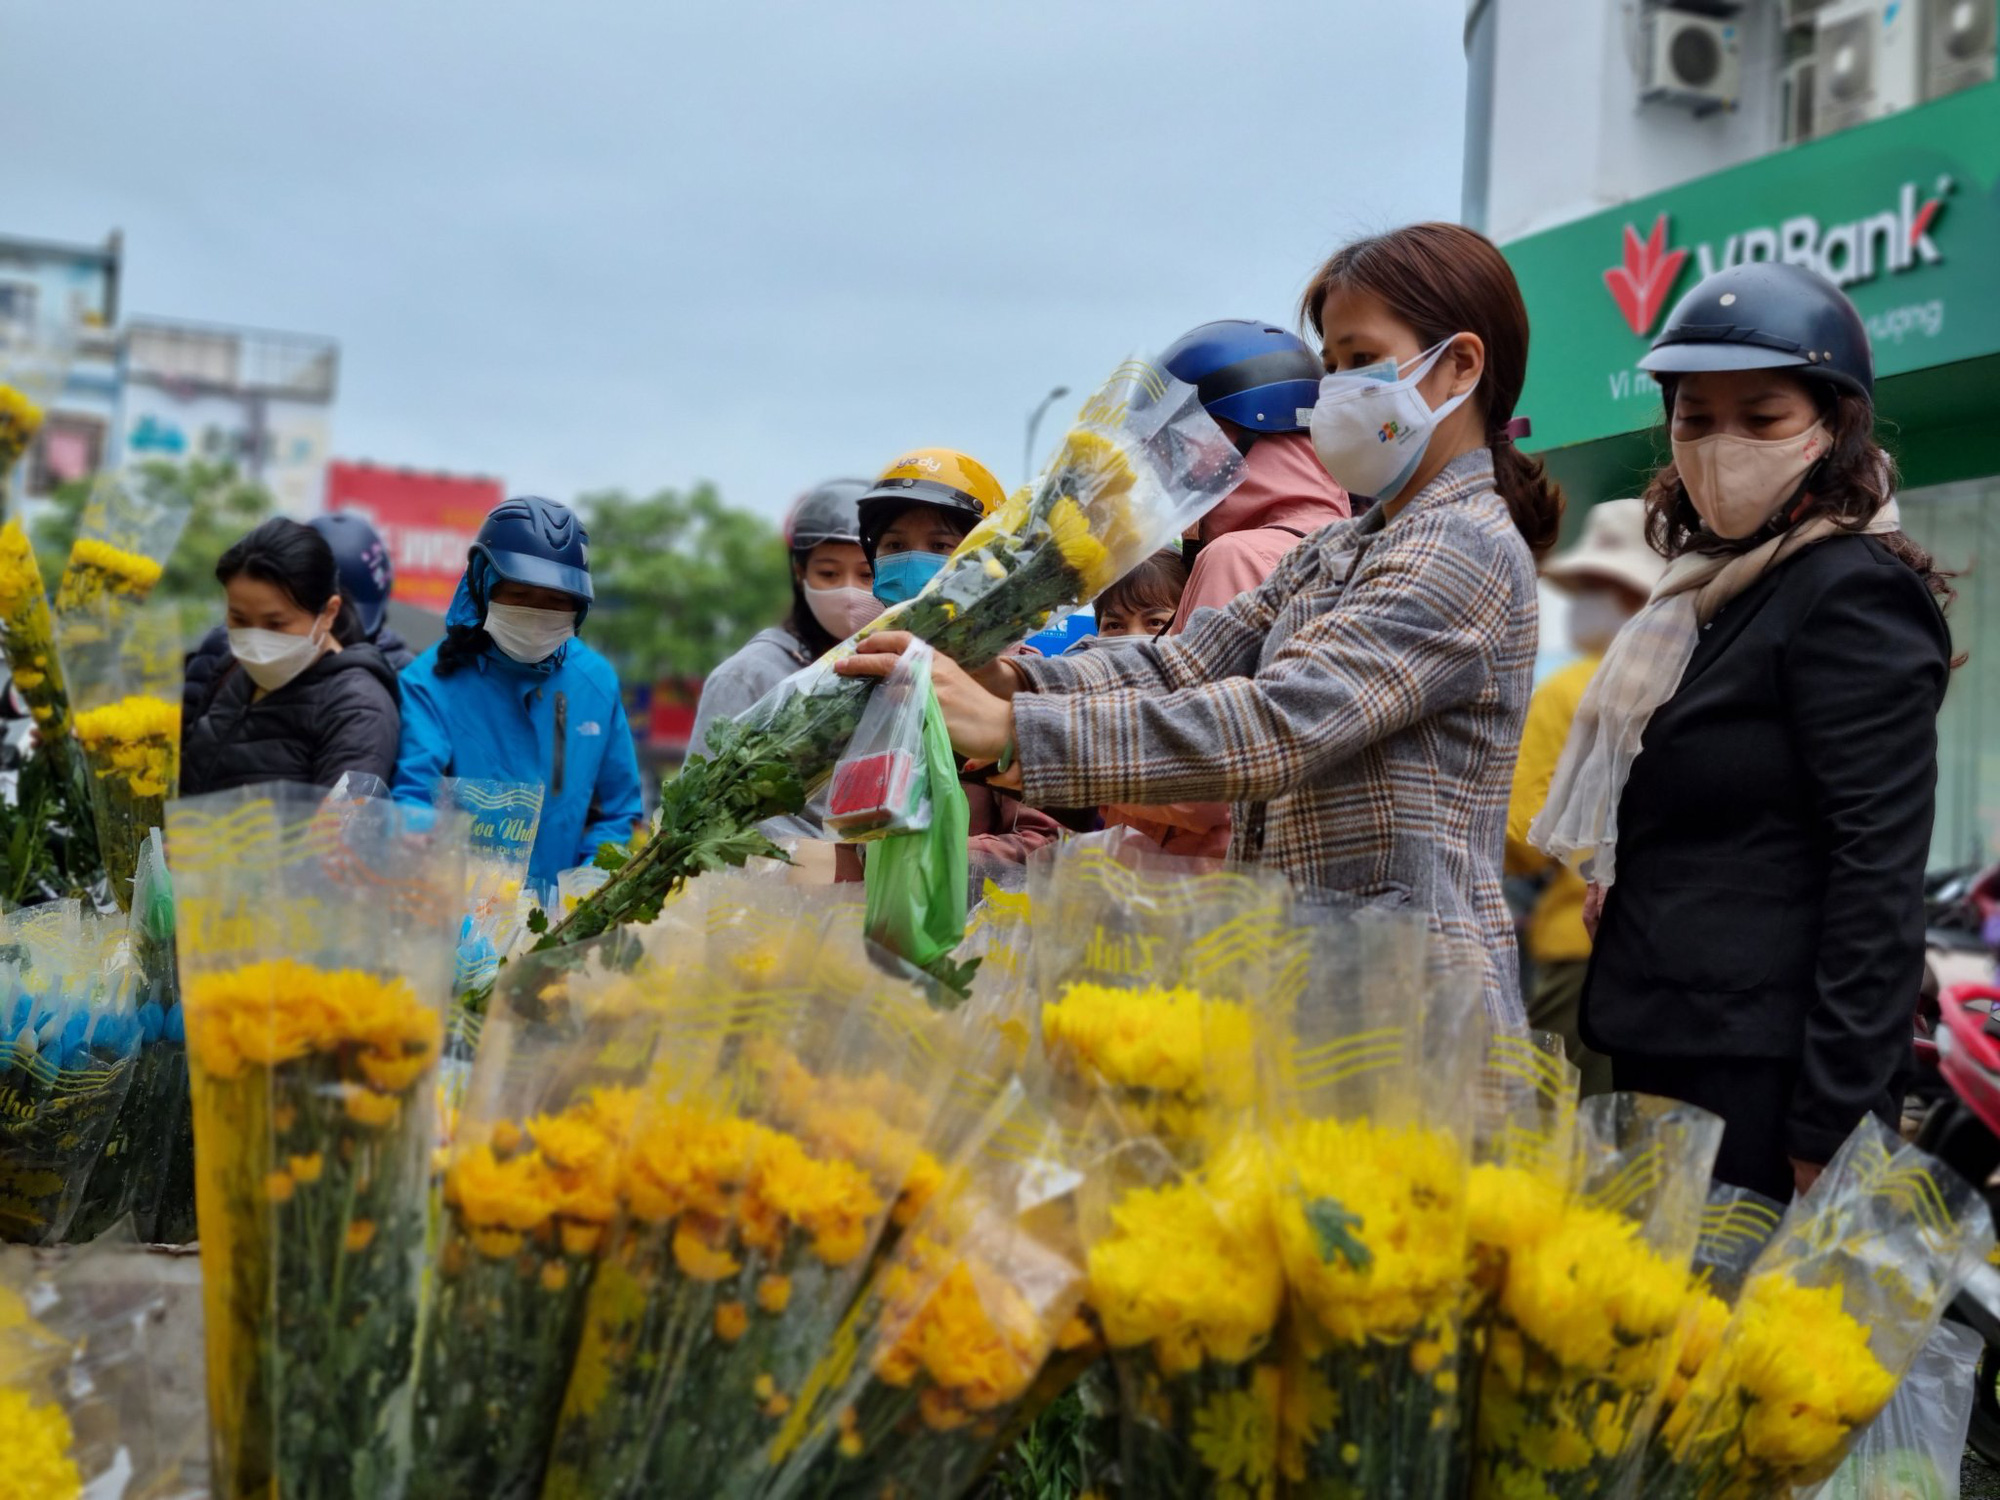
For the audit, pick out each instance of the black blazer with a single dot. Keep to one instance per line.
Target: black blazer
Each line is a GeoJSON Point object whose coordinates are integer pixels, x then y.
{"type": "Point", "coordinates": [1773, 835]}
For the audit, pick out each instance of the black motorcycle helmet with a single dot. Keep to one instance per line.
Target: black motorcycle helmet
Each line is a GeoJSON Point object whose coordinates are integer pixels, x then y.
{"type": "Point", "coordinates": [828, 512]}
{"type": "Point", "coordinates": [1764, 315]}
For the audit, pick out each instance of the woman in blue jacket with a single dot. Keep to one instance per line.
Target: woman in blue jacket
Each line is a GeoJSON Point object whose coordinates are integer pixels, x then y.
{"type": "Point", "coordinates": [510, 693]}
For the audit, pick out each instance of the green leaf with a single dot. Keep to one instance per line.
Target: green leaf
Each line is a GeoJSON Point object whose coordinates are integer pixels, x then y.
{"type": "Point", "coordinates": [538, 921]}
{"type": "Point", "coordinates": [1335, 1227]}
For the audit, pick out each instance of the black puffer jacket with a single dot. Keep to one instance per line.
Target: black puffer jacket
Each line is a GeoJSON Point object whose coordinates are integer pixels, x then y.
{"type": "Point", "coordinates": [343, 713]}
{"type": "Point", "coordinates": [207, 663]}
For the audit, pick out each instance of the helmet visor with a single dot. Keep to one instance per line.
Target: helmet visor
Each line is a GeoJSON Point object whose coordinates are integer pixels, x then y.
{"type": "Point", "coordinates": [542, 572]}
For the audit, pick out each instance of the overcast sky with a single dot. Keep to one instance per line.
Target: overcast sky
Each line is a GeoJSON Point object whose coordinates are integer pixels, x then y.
{"type": "Point", "coordinates": [634, 243]}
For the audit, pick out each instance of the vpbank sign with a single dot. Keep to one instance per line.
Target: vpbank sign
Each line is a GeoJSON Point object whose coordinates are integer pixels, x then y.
{"type": "Point", "coordinates": [1890, 242]}
{"type": "Point", "coordinates": [1903, 213]}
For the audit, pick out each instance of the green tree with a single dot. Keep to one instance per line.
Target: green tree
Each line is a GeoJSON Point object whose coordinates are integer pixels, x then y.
{"type": "Point", "coordinates": [222, 506]}
{"type": "Point", "coordinates": [682, 580]}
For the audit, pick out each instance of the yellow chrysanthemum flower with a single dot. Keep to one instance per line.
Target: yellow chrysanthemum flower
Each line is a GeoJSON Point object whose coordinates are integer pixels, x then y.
{"type": "Point", "coordinates": [1792, 1379]}
{"type": "Point", "coordinates": [1192, 1268]}
{"type": "Point", "coordinates": [1373, 1230]}
{"type": "Point", "coordinates": [977, 1340]}
{"type": "Point", "coordinates": [271, 1012]}
{"type": "Point", "coordinates": [97, 569]}
{"type": "Point", "coordinates": [20, 574]}
{"type": "Point", "coordinates": [1174, 1050]}
{"type": "Point", "coordinates": [20, 420]}
{"type": "Point", "coordinates": [1236, 1438]}
{"type": "Point", "coordinates": [36, 1438]}
{"type": "Point", "coordinates": [138, 739]}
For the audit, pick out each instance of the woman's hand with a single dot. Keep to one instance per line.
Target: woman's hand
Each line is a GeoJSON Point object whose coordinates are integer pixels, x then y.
{"type": "Point", "coordinates": [1805, 1174]}
{"type": "Point", "coordinates": [999, 678]}
{"type": "Point", "coordinates": [981, 725]}
{"type": "Point", "coordinates": [1593, 909]}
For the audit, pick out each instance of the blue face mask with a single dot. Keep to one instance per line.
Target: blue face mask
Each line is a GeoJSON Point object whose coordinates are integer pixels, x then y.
{"type": "Point", "coordinates": [903, 575]}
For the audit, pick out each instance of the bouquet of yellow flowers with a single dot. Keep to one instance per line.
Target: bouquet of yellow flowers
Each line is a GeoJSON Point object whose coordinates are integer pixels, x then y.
{"type": "Point", "coordinates": [531, 1186]}
{"type": "Point", "coordinates": [315, 945]}
{"type": "Point", "coordinates": [125, 674]}
{"type": "Point", "coordinates": [123, 541]}
{"type": "Point", "coordinates": [775, 1148]}
{"type": "Point", "coordinates": [1830, 1317]}
{"type": "Point", "coordinates": [20, 420]}
{"type": "Point", "coordinates": [1152, 1028]}
{"type": "Point", "coordinates": [27, 629]}
{"type": "Point", "coordinates": [961, 1333]}
{"type": "Point", "coordinates": [1371, 1128]}
{"type": "Point", "coordinates": [1143, 463]}
{"type": "Point", "coordinates": [1589, 1314]}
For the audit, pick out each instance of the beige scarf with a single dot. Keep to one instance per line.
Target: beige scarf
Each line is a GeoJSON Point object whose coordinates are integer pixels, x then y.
{"type": "Point", "coordinates": [1641, 671]}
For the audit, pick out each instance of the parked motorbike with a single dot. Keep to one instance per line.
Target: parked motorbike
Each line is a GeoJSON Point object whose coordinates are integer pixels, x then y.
{"type": "Point", "coordinates": [1963, 1130]}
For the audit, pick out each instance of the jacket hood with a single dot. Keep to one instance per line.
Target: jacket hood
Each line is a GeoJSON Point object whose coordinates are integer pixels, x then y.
{"type": "Point", "coordinates": [1284, 484]}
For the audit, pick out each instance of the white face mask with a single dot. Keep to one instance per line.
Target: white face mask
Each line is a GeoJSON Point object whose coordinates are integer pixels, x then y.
{"type": "Point", "coordinates": [842, 611]}
{"type": "Point", "coordinates": [274, 657]}
{"type": "Point", "coordinates": [529, 635]}
{"type": "Point", "coordinates": [1595, 616]}
{"type": "Point", "coordinates": [1736, 484]}
{"type": "Point", "coordinates": [1372, 427]}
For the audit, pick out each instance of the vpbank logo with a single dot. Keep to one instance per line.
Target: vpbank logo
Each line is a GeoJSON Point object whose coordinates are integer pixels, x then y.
{"type": "Point", "coordinates": [1894, 240]}
{"type": "Point", "coordinates": [1641, 283]}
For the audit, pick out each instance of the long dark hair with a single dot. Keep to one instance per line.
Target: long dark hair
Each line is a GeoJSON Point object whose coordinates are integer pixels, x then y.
{"type": "Point", "coordinates": [297, 562]}
{"type": "Point", "coordinates": [1443, 279]}
{"type": "Point", "coordinates": [1847, 487]}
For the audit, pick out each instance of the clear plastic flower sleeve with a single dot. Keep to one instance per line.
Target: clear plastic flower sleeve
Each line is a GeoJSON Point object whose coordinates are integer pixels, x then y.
{"type": "Point", "coordinates": [315, 941]}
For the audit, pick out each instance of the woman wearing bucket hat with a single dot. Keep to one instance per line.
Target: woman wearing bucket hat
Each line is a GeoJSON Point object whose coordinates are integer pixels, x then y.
{"type": "Point", "coordinates": [1751, 772]}
{"type": "Point", "coordinates": [1606, 576]}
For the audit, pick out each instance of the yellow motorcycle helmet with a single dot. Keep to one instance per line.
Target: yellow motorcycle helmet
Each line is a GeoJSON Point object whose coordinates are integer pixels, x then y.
{"type": "Point", "coordinates": [941, 477]}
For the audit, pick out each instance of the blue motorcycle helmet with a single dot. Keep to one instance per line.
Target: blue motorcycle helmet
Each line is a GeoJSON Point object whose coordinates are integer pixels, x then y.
{"type": "Point", "coordinates": [532, 541]}
{"type": "Point", "coordinates": [1250, 373]}
{"type": "Point", "coordinates": [360, 557]}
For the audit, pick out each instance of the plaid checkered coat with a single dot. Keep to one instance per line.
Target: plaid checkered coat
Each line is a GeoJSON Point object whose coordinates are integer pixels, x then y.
{"type": "Point", "coordinates": [1362, 708]}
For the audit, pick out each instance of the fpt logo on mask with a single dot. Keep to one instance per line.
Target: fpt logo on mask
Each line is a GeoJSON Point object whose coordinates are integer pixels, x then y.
{"type": "Point", "coordinates": [1888, 242]}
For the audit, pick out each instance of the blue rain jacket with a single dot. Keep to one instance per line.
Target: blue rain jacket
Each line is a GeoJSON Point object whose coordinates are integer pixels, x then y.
{"type": "Point", "coordinates": [560, 722]}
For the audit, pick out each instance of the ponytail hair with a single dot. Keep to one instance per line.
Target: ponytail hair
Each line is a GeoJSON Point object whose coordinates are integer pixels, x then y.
{"type": "Point", "coordinates": [297, 562]}
{"type": "Point", "coordinates": [1445, 279]}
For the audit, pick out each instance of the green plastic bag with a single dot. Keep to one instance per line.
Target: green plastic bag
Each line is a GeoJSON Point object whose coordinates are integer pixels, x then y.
{"type": "Point", "coordinates": [916, 882]}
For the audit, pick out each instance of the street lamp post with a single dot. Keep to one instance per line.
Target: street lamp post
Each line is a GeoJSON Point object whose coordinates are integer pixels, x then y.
{"type": "Point", "coordinates": [1035, 421]}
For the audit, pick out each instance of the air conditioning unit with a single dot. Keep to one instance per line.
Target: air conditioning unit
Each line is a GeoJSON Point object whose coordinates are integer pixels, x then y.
{"type": "Point", "coordinates": [1693, 60]}
{"type": "Point", "coordinates": [1868, 61]}
{"type": "Point", "coordinates": [1798, 90]}
{"type": "Point", "coordinates": [1959, 43]}
{"type": "Point", "coordinates": [1801, 12]}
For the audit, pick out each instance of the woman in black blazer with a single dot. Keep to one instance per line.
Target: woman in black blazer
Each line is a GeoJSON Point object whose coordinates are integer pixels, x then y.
{"type": "Point", "coordinates": [1754, 778]}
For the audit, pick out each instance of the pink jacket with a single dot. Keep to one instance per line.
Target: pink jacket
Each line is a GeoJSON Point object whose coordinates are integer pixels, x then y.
{"type": "Point", "coordinates": [1286, 494]}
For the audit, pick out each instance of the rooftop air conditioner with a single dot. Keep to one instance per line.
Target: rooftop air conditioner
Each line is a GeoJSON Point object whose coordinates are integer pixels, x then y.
{"type": "Point", "coordinates": [1867, 62]}
{"type": "Point", "coordinates": [1692, 60]}
{"type": "Point", "coordinates": [1959, 37]}
{"type": "Point", "coordinates": [1799, 87]}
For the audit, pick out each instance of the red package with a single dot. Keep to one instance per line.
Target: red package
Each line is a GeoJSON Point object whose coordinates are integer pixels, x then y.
{"type": "Point", "coordinates": [870, 791]}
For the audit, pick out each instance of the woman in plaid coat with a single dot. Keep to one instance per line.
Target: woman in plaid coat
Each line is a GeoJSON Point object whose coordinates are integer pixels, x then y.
{"type": "Point", "coordinates": [1364, 705]}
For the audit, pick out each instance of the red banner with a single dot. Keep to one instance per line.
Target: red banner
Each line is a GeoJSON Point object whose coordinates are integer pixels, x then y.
{"type": "Point", "coordinates": [426, 520]}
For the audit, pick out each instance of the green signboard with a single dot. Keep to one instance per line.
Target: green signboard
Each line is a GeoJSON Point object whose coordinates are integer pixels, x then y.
{"type": "Point", "coordinates": [1904, 213]}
